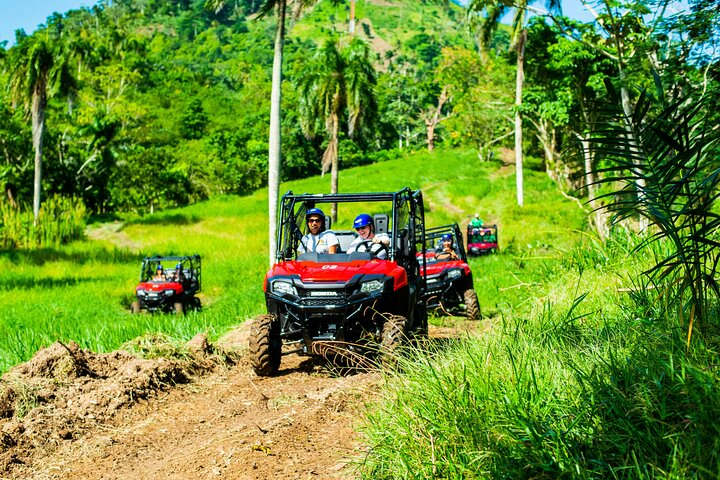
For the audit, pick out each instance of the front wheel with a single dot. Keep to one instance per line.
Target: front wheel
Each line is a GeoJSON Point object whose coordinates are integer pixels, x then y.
{"type": "Point", "coordinates": [135, 307]}
{"type": "Point", "coordinates": [265, 345]}
{"type": "Point", "coordinates": [472, 306]}
{"type": "Point", "coordinates": [393, 335]}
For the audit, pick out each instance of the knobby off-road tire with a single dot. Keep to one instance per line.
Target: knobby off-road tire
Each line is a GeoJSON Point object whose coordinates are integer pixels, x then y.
{"type": "Point", "coordinates": [265, 345]}
{"type": "Point", "coordinates": [179, 308]}
{"type": "Point", "coordinates": [393, 336]}
{"type": "Point", "coordinates": [472, 306]}
{"type": "Point", "coordinates": [135, 307]}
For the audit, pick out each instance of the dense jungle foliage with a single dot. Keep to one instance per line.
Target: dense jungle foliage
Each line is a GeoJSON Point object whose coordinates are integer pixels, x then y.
{"type": "Point", "coordinates": [165, 103]}
{"type": "Point", "coordinates": [150, 104]}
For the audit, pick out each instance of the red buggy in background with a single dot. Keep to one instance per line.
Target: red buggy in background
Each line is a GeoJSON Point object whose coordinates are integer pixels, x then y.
{"type": "Point", "coordinates": [449, 278]}
{"type": "Point", "coordinates": [482, 240]}
{"type": "Point", "coordinates": [168, 284]}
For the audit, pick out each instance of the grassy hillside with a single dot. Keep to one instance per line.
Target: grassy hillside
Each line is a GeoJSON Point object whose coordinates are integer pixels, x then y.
{"type": "Point", "coordinates": [81, 292]}
{"type": "Point", "coordinates": [387, 24]}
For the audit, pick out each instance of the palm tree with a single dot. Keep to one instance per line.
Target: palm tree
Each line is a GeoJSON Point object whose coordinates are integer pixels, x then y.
{"type": "Point", "coordinates": [494, 11]}
{"type": "Point", "coordinates": [337, 83]}
{"type": "Point", "coordinates": [673, 152]}
{"type": "Point", "coordinates": [39, 68]}
{"type": "Point", "coordinates": [351, 30]}
{"type": "Point", "coordinates": [275, 138]}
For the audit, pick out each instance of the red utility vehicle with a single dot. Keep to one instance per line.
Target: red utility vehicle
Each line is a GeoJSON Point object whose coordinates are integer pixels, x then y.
{"type": "Point", "coordinates": [352, 303]}
{"type": "Point", "coordinates": [449, 278]}
{"type": "Point", "coordinates": [482, 240]}
{"type": "Point", "coordinates": [168, 284]}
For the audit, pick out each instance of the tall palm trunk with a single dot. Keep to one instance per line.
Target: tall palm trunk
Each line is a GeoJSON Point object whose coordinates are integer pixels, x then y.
{"type": "Point", "coordinates": [352, 17]}
{"type": "Point", "coordinates": [628, 111]}
{"type": "Point", "coordinates": [519, 79]}
{"type": "Point", "coordinates": [39, 102]}
{"type": "Point", "coordinates": [333, 152]}
{"type": "Point", "coordinates": [274, 152]}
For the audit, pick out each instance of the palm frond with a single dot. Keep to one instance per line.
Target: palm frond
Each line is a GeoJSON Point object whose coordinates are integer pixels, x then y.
{"type": "Point", "coordinates": [663, 165]}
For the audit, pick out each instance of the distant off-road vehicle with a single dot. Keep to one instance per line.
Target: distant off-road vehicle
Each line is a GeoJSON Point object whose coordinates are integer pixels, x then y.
{"type": "Point", "coordinates": [168, 284]}
{"type": "Point", "coordinates": [482, 240]}
{"type": "Point", "coordinates": [449, 278]}
{"type": "Point", "coordinates": [343, 305]}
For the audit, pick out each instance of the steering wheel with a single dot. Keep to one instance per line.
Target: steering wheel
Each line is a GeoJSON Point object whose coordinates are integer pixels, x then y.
{"type": "Point", "coordinates": [444, 256]}
{"type": "Point", "coordinates": [367, 245]}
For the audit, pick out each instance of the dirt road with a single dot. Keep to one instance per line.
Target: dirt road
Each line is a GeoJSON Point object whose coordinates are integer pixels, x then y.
{"type": "Point", "coordinates": [74, 414]}
{"type": "Point", "coordinates": [225, 423]}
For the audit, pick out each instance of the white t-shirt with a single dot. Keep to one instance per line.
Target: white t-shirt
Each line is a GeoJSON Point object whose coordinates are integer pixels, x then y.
{"type": "Point", "coordinates": [319, 243]}
{"type": "Point", "coordinates": [375, 248]}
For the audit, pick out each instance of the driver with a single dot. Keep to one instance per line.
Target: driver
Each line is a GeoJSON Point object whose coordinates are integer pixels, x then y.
{"type": "Point", "coordinates": [446, 248]}
{"type": "Point", "coordinates": [368, 241]}
{"type": "Point", "coordinates": [318, 239]}
{"type": "Point", "coordinates": [159, 274]}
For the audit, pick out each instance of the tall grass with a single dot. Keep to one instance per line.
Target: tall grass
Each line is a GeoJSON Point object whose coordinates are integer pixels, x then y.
{"type": "Point", "coordinates": [60, 221]}
{"type": "Point", "coordinates": [584, 383]}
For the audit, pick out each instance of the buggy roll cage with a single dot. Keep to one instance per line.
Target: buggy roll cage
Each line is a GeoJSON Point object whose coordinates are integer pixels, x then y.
{"type": "Point", "coordinates": [293, 208]}
{"type": "Point", "coordinates": [150, 263]}
{"type": "Point", "coordinates": [435, 233]}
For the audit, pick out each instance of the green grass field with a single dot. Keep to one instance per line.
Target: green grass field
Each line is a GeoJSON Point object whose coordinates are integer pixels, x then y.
{"type": "Point", "coordinates": [583, 371]}
{"type": "Point", "coordinates": [82, 291]}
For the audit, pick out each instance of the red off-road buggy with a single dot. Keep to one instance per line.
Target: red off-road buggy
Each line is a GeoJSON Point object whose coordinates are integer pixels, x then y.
{"type": "Point", "coordinates": [482, 240]}
{"type": "Point", "coordinates": [449, 278]}
{"type": "Point", "coordinates": [343, 305]}
{"type": "Point", "coordinates": [168, 284]}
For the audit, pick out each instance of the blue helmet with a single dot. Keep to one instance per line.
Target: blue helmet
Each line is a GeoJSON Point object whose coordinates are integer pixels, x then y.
{"type": "Point", "coordinates": [159, 268]}
{"type": "Point", "coordinates": [315, 211]}
{"type": "Point", "coordinates": [178, 266]}
{"type": "Point", "coordinates": [447, 236]}
{"type": "Point", "coordinates": [363, 220]}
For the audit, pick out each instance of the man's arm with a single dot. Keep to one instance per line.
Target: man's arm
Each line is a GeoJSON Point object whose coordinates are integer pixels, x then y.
{"type": "Point", "coordinates": [332, 241]}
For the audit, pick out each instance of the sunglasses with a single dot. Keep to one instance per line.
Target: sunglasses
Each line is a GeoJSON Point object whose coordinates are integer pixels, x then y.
{"type": "Point", "coordinates": [314, 220]}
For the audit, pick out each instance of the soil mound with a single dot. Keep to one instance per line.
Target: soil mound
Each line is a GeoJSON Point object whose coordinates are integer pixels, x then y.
{"type": "Point", "coordinates": [64, 390]}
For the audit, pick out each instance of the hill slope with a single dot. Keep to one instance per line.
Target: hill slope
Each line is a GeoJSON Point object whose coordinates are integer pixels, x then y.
{"type": "Point", "coordinates": [72, 413]}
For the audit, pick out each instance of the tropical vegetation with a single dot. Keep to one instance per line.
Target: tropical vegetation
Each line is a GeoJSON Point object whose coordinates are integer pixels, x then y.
{"type": "Point", "coordinates": [160, 124]}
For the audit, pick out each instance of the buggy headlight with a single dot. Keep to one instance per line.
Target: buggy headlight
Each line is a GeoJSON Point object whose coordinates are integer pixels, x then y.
{"type": "Point", "coordinates": [169, 293]}
{"type": "Point", "coordinates": [141, 293]}
{"type": "Point", "coordinates": [453, 274]}
{"type": "Point", "coordinates": [371, 286]}
{"type": "Point", "coordinates": [283, 288]}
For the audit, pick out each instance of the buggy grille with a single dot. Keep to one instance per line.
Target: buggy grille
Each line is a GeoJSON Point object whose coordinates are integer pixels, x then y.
{"type": "Point", "coordinates": [321, 298]}
{"type": "Point", "coordinates": [321, 302]}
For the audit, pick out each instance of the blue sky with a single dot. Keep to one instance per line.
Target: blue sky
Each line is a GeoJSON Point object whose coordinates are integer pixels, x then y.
{"type": "Point", "coordinates": [28, 14]}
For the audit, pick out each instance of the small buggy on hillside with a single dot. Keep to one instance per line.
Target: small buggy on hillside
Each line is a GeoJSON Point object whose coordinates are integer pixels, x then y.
{"type": "Point", "coordinates": [163, 289]}
{"type": "Point", "coordinates": [482, 240]}
{"type": "Point", "coordinates": [343, 305]}
{"type": "Point", "coordinates": [449, 279]}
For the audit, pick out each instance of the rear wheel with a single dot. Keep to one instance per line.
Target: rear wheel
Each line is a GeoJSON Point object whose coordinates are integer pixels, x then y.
{"type": "Point", "coordinates": [179, 308]}
{"type": "Point", "coordinates": [393, 335]}
{"type": "Point", "coordinates": [135, 307]}
{"type": "Point", "coordinates": [265, 345]}
{"type": "Point", "coordinates": [472, 306]}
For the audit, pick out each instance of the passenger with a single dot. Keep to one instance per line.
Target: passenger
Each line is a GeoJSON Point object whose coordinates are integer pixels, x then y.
{"type": "Point", "coordinates": [159, 274]}
{"type": "Point", "coordinates": [365, 226]}
{"type": "Point", "coordinates": [318, 239]}
{"type": "Point", "coordinates": [477, 221]}
{"type": "Point", "coordinates": [446, 250]}
{"type": "Point", "coordinates": [178, 275]}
